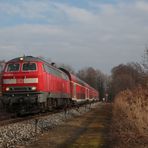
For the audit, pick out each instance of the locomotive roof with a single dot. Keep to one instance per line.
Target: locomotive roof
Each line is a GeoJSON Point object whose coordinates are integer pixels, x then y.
{"type": "Point", "coordinates": [33, 59]}
{"type": "Point", "coordinates": [27, 58]}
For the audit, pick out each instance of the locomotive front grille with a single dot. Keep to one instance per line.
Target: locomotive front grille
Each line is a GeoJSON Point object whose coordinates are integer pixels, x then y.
{"type": "Point", "coordinates": [20, 89]}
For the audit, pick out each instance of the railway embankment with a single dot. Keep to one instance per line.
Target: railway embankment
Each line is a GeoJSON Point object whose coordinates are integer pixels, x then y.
{"type": "Point", "coordinates": [24, 132]}
{"type": "Point", "coordinates": [130, 119]}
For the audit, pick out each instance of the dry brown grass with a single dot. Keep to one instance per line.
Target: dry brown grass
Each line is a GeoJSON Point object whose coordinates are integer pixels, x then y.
{"type": "Point", "coordinates": [130, 119]}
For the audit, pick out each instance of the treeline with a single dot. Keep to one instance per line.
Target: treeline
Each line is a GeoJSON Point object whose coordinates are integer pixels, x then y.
{"type": "Point", "coordinates": [129, 126]}
{"type": "Point", "coordinates": [123, 77]}
{"type": "Point", "coordinates": [130, 76]}
{"type": "Point", "coordinates": [95, 78]}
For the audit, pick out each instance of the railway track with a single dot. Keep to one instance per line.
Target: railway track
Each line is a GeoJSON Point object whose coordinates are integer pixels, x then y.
{"type": "Point", "coordinates": [12, 118]}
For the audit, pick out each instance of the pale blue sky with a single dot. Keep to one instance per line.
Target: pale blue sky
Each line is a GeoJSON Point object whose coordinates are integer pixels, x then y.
{"type": "Point", "coordinates": [81, 33]}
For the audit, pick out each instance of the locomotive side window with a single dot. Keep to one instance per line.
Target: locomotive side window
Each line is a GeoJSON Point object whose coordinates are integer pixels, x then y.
{"type": "Point", "coordinates": [13, 67]}
{"type": "Point", "coordinates": [45, 67]}
{"type": "Point", "coordinates": [64, 77]}
{"type": "Point", "coordinates": [52, 71]}
{"type": "Point", "coordinates": [48, 69]}
{"type": "Point", "coordinates": [29, 66]}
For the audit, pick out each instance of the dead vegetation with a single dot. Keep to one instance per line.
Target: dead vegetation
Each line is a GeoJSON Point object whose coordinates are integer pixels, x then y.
{"type": "Point", "coordinates": [130, 119]}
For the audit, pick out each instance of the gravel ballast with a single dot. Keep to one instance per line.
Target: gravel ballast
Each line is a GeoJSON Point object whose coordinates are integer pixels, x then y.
{"type": "Point", "coordinates": [27, 131]}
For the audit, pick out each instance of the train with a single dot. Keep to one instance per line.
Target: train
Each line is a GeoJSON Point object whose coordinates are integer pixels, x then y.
{"type": "Point", "coordinates": [32, 84]}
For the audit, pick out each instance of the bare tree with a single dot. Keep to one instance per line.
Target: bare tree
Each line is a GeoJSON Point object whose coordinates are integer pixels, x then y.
{"type": "Point", "coordinates": [95, 78]}
{"type": "Point", "coordinates": [2, 63]}
{"type": "Point", "coordinates": [127, 76]}
{"type": "Point", "coordinates": [145, 59]}
{"type": "Point", "coordinates": [89, 76]}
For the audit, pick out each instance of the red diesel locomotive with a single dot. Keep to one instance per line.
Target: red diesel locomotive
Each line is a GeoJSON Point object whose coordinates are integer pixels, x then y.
{"type": "Point", "coordinates": [30, 83]}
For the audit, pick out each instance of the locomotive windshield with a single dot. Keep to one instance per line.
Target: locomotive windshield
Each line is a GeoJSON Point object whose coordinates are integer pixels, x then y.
{"type": "Point", "coordinates": [29, 66]}
{"type": "Point", "coordinates": [13, 67]}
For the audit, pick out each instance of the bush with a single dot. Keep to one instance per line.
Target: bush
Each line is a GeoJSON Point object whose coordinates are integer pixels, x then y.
{"type": "Point", "coordinates": [130, 119]}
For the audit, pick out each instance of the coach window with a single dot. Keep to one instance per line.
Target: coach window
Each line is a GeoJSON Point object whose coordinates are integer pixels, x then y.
{"type": "Point", "coordinates": [13, 67]}
{"type": "Point", "coordinates": [29, 66]}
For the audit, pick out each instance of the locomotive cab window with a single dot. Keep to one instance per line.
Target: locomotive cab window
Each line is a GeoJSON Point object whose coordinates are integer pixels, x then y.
{"type": "Point", "coordinates": [29, 67]}
{"type": "Point", "coordinates": [13, 67]}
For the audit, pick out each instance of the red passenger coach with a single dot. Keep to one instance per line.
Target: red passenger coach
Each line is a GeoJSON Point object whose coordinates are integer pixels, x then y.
{"type": "Point", "coordinates": [81, 91]}
{"type": "Point", "coordinates": [29, 82]}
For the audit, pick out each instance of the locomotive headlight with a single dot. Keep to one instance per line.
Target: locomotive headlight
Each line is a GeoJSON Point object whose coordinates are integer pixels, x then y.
{"type": "Point", "coordinates": [7, 88]}
{"type": "Point", "coordinates": [21, 59]}
{"type": "Point", "coordinates": [33, 88]}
